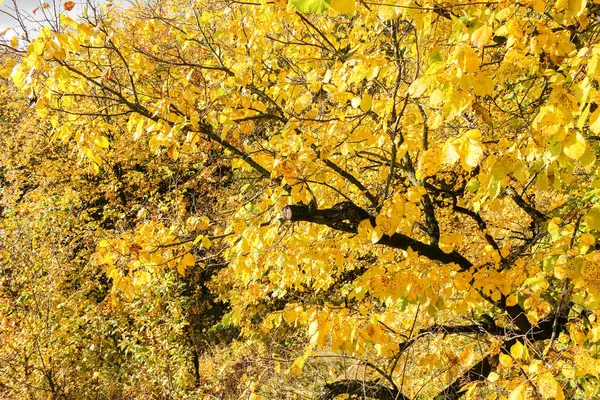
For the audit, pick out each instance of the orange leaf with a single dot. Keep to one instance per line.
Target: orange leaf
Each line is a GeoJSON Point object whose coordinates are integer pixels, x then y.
{"type": "Point", "coordinates": [69, 5]}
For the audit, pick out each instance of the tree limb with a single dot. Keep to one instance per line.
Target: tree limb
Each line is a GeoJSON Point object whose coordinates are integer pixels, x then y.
{"type": "Point", "coordinates": [337, 216]}
{"type": "Point", "coordinates": [360, 388]}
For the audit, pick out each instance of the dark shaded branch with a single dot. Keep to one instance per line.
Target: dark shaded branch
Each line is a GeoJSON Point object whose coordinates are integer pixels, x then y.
{"type": "Point", "coordinates": [517, 252]}
{"type": "Point", "coordinates": [360, 388]}
{"type": "Point", "coordinates": [267, 98]}
{"type": "Point", "coordinates": [349, 177]}
{"type": "Point", "coordinates": [433, 227]}
{"type": "Point", "coordinates": [208, 131]}
{"type": "Point", "coordinates": [537, 216]}
{"type": "Point", "coordinates": [477, 372]}
{"type": "Point", "coordinates": [425, 126]}
{"type": "Point", "coordinates": [337, 216]}
{"type": "Point", "coordinates": [346, 216]}
{"type": "Point", "coordinates": [550, 326]}
{"type": "Point", "coordinates": [448, 330]}
{"type": "Point", "coordinates": [481, 224]}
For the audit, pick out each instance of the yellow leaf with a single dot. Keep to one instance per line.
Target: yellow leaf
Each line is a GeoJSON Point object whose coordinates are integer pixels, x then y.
{"type": "Point", "coordinates": [516, 350]}
{"type": "Point", "coordinates": [534, 366]}
{"type": "Point", "coordinates": [588, 239]}
{"type": "Point", "coordinates": [466, 356]}
{"type": "Point", "coordinates": [365, 230]}
{"type": "Point", "coordinates": [518, 393]}
{"type": "Point", "coordinates": [576, 7]}
{"type": "Point", "coordinates": [549, 387]}
{"type": "Point", "coordinates": [481, 36]}
{"type": "Point", "coordinates": [387, 12]}
{"type": "Point", "coordinates": [593, 218]}
{"type": "Point", "coordinates": [126, 285]}
{"type": "Point", "coordinates": [574, 145]}
{"type": "Point", "coordinates": [467, 59]}
{"type": "Point", "coordinates": [142, 278]}
{"type": "Point", "coordinates": [470, 154]}
{"type": "Point", "coordinates": [366, 102]}
{"type": "Point", "coordinates": [493, 377]}
{"type": "Point", "coordinates": [483, 85]}
{"type": "Point", "coordinates": [593, 65]}
{"type": "Point", "coordinates": [539, 6]}
{"type": "Point", "coordinates": [290, 316]}
{"type": "Point", "coordinates": [588, 158]}
{"type": "Point", "coordinates": [414, 194]}
{"type": "Point", "coordinates": [18, 76]}
{"type": "Point", "coordinates": [595, 121]}
{"type": "Point", "coordinates": [449, 154]}
{"type": "Point", "coordinates": [344, 6]}
{"type": "Point", "coordinates": [576, 334]}
{"type": "Point", "coordinates": [102, 141]}
{"type": "Point", "coordinates": [473, 134]}
{"type": "Point", "coordinates": [430, 162]}
{"type": "Point", "coordinates": [296, 369]}
{"type": "Point", "coordinates": [376, 234]}
{"type": "Point", "coordinates": [505, 360]}
{"type": "Point", "coordinates": [187, 261]}
{"type": "Point", "coordinates": [385, 223]}
{"type": "Point", "coordinates": [141, 214]}
{"type": "Point", "coordinates": [470, 388]}
{"type": "Point", "coordinates": [418, 87]}
{"type": "Point", "coordinates": [198, 238]}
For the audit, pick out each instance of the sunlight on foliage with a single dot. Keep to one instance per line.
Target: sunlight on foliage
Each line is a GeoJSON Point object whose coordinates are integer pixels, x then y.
{"type": "Point", "coordinates": [320, 199]}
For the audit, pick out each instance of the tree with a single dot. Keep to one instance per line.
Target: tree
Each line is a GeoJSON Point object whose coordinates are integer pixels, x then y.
{"type": "Point", "coordinates": [421, 177]}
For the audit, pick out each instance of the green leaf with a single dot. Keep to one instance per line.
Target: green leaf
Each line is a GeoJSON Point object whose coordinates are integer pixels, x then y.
{"type": "Point", "coordinates": [473, 185]}
{"type": "Point", "coordinates": [315, 6]}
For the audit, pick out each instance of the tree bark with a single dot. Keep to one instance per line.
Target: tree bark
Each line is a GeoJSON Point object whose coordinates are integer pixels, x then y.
{"type": "Point", "coordinates": [363, 389]}
{"type": "Point", "coordinates": [346, 216]}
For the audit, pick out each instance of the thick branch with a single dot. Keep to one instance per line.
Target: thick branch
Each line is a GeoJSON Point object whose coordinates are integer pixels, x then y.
{"type": "Point", "coordinates": [543, 331]}
{"type": "Point", "coordinates": [208, 131]}
{"type": "Point", "coordinates": [447, 330]}
{"type": "Point", "coordinates": [337, 216]}
{"type": "Point", "coordinates": [346, 216]}
{"type": "Point", "coordinates": [433, 228]}
{"type": "Point", "coordinates": [360, 388]}
{"type": "Point", "coordinates": [477, 372]}
{"type": "Point", "coordinates": [536, 215]}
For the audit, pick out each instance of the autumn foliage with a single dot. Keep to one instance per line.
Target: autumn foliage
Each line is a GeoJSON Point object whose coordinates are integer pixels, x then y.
{"type": "Point", "coordinates": [255, 199]}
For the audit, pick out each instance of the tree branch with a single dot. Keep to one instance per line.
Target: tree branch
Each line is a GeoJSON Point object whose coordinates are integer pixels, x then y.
{"type": "Point", "coordinates": [543, 331]}
{"type": "Point", "coordinates": [346, 216]}
{"type": "Point", "coordinates": [349, 177]}
{"type": "Point", "coordinates": [481, 224]}
{"type": "Point", "coordinates": [360, 388]}
{"type": "Point", "coordinates": [337, 216]}
{"type": "Point", "coordinates": [537, 216]}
